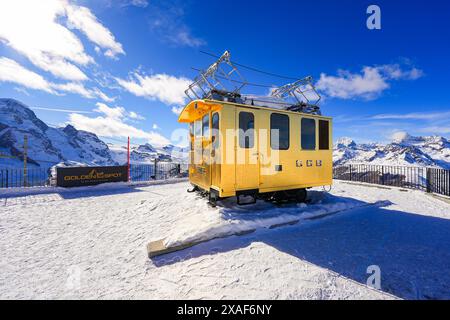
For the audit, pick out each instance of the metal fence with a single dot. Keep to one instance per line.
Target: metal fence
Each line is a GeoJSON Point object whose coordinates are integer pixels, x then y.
{"type": "Point", "coordinates": [41, 177]}
{"type": "Point", "coordinates": [157, 171]}
{"type": "Point", "coordinates": [426, 179]}
{"type": "Point", "coordinates": [15, 177]}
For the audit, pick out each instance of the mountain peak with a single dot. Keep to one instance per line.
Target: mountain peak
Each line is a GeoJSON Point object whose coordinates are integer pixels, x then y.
{"type": "Point", "coordinates": [405, 150]}
{"type": "Point", "coordinates": [345, 142]}
{"type": "Point", "coordinates": [70, 130]}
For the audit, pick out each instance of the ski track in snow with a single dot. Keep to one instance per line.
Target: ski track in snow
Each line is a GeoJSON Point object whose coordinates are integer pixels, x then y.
{"type": "Point", "coordinates": [91, 243]}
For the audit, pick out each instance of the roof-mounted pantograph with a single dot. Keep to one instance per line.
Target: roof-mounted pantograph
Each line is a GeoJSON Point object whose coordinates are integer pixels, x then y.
{"type": "Point", "coordinates": [222, 81]}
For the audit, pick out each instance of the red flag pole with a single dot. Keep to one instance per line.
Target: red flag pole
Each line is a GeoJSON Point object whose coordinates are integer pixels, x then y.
{"type": "Point", "coordinates": [128, 158]}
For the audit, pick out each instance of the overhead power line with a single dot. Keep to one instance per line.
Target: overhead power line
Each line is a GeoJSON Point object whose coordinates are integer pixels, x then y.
{"type": "Point", "coordinates": [241, 82]}
{"type": "Point", "coordinates": [253, 69]}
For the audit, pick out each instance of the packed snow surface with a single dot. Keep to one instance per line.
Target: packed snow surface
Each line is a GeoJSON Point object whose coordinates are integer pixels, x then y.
{"type": "Point", "coordinates": [91, 243]}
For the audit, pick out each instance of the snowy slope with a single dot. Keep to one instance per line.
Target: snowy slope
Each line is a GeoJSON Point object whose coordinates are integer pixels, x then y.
{"type": "Point", "coordinates": [90, 243]}
{"type": "Point", "coordinates": [408, 151]}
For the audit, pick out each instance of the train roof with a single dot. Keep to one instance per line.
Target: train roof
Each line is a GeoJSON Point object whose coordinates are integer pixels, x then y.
{"type": "Point", "coordinates": [195, 109]}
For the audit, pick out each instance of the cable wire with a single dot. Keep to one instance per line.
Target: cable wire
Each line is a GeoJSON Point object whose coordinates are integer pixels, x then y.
{"type": "Point", "coordinates": [252, 68]}
{"type": "Point", "coordinates": [241, 82]}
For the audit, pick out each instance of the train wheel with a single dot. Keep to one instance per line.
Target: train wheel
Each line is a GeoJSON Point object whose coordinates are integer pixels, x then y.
{"type": "Point", "coordinates": [301, 195]}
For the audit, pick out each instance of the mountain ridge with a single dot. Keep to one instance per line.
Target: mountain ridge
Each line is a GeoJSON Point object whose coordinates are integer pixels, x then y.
{"type": "Point", "coordinates": [50, 146]}
{"type": "Point", "coordinates": [432, 151]}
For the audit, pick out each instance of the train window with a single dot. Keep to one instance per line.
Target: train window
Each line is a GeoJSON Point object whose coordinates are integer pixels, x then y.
{"type": "Point", "coordinates": [279, 126]}
{"type": "Point", "coordinates": [308, 134]}
{"type": "Point", "coordinates": [198, 128]}
{"type": "Point", "coordinates": [246, 130]}
{"type": "Point", "coordinates": [205, 126]}
{"type": "Point", "coordinates": [324, 135]}
{"type": "Point", "coordinates": [191, 135]}
{"type": "Point", "coordinates": [215, 130]}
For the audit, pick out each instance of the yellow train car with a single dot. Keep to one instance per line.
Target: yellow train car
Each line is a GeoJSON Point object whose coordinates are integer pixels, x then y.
{"type": "Point", "coordinates": [247, 150]}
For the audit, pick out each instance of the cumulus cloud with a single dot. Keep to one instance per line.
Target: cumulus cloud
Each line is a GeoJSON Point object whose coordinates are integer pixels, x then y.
{"type": "Point", "coordinates": [40, 31]}
{"type": "Point", "coordinates": [368, 84]}
{"type": "Point", "coordinates": [78, 88]}
{"type": "Point", "coordinates": [165, 88]}
{"type": "Point", "coordinates": [117, 112]}
{"type": "Point", "coordinates": [11, 71]}
{"type": "Point", "coordinates": [135, 116]}
{"type": "Point", "coordinates": [112, 124]}
{"type": "Point", "coordinates": [83, 19]}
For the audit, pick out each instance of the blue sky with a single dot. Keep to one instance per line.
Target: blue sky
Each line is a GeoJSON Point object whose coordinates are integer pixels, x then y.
{"type": "Point", "coordinates": [119, 68]}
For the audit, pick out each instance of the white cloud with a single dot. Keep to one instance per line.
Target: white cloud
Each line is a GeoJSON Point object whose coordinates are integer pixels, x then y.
{"type": "Point", "coordinates": [111, 124]}
{"type": "Point", "coordinates": [35, 29]}
{"type": "Point", "coordinates": [399, 136]}
{"type": "Point", "coordinates": [163, 87]}
{"type": "Point", "coordinates": [117, 112]}
{"type": "Point", "coordinates": [414, 116]}
{"type": "Point", "coordinates": [22, 90]}
{"type": "Point", "coordinates": [136, 3]}
{"type": "Point", "coordinates": [11, 71]}
{"type": "Point", "coordinates": [82, 18]}
{"type": "Point", "coordinates": [177, 110]}
{"type": "Point", "coordinates": [78, 88]}
{"type": "Point", "coordinates": [185, 38]}
{"type": "Point", "coordinates": [113, 113]}
{"type": "Point", "coordinates": [368, 84]}
{"type": "Point", "coordinates": [135, 116]}
{"type": "Point", "coordinates": [155, 127]}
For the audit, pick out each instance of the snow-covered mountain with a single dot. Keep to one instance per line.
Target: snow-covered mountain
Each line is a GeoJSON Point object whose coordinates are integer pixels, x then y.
{"type": "Point", "coordinates": [147, 153]}
{"type": "Point", "coordinates": [48, 146]}
{"type": "Point", "coordinates": [407, 150]}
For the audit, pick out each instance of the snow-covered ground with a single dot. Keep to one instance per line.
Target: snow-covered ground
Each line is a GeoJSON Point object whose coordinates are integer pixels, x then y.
{"type": "Point", "coordinates": [91, 243]}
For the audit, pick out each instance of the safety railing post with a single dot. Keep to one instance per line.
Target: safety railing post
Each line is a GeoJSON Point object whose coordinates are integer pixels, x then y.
{"type": "Point", "coordinates": [428, 180]}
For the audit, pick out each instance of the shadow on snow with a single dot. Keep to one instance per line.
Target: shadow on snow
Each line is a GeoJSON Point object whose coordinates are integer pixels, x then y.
{"type": "Point", "coordinates": [411, 250]}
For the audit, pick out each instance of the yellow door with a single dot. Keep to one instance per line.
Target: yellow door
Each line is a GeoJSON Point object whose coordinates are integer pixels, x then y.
{"type": "Point", "coordinates": [215, 150]}
{"type": "Point", "coordinates": [247, 162]}
{"type": "Point", "coordinates": [206, 152]}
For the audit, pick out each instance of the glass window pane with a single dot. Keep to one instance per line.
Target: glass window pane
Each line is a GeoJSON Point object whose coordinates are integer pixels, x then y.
{"type": "Point", "coordinates": [308, 135]}
{"type": "Point", "coordinates": [215, 130]}
{"type": "Point", "coordinates": [205, 126]}
{"type": "Point", "coordinates": [324, 135]}
{"type": "Point", "coordinates": [198, 128]}
{"type": "Point", "coordinates": [191, 135]}
{"type": "Point", "coordinates": [279, 131]}
{"type": "Point", "coordinates": [246, 130]}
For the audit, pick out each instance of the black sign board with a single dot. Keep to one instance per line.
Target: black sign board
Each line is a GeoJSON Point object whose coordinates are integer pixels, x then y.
{"type": "Point", "coordinates": [88, 176]}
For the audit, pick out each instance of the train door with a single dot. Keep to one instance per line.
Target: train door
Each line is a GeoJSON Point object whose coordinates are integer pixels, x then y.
{"type": "Point", "coordinates": [247, 162]}
{"type": "Point", "coordinates": [280, 146]}
{"type": "Point", "coordinates": [215, 150]}
{"type": "Point", "coordinates": [206, 152]}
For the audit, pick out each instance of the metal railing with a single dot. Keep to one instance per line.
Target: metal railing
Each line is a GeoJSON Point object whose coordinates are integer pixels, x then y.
{"type": "Point", "coordinates": [426, 179]}
{"type": "Point", "coordinates": [15, 178]}
{"type": "Point", "coordinates": [157, 171]}
{"type": "Point", "coordinates": [41, 177]}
